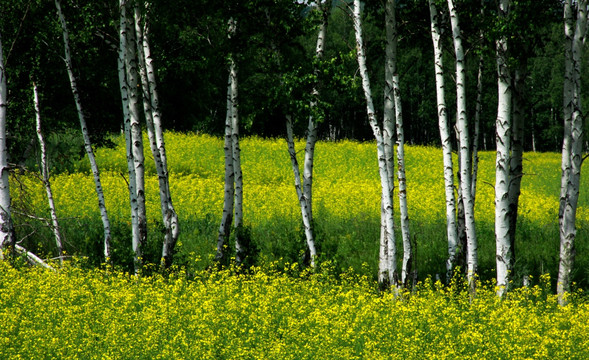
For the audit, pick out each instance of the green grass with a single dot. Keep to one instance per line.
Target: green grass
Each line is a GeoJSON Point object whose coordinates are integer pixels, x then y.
{"type": "Point", "coordinates": [346, 206]}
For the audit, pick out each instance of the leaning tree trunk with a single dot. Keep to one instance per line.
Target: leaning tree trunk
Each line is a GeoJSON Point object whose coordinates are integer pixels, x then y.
{"type": "Point", "coordinates": [391, 275]}
{"type": "Point", "coordinates": [85, 135]}
{"type": "Point", "coordinates": [464, 144]}
{"type": "Point", "coordinates": [502, 164]}
{"type": "Point", "coordinates": [6, 230]}
{"type": "Point", "coordinates": [306, 196]}
{"type": "Point", "coordinates": [155, 136]}
{"type": "Point", "coordinates": [451, 231]}
{"type": "Point", "coordinates": [45, 176]}
{"type": "Point", "coordinates": [572, 143]}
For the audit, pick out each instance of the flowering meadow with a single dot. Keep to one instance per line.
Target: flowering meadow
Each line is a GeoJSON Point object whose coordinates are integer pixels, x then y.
{"type": "Point", "coordinates": [346, 206]}
{"type": "Point", "coordinates": [278, 309]}
{"type": "Point", "coordinates": [266, 314]}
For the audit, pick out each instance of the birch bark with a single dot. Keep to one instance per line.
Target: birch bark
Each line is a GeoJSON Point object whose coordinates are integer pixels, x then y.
{"type": "Point", "coordinates": [229, 190]}
{"type": "Point", "coordinates": [464, 143]}
{"type": "Point", "coordinates": [155, 135]}
{"type": "Point", "coordinates": [85, 135]}
{"type": "Point", "coordinates": [391, 275]}
{"type": "Point", "coordinates": [392, 75]}
{"type": "Point", "coordinates": [131, 66]}
{"type": "Point", "coordinates": [45, 176]}
{"type": "Point", "coordinates": [132, 183]}
{"type": "Point", "coordinates": [502, 164]}
{"type": "Point", "coordinates": [6, 229]}
{"type": "Point", "coordinates": [572, 143]}
{"type": "Point", "coordinates": [451, 231]}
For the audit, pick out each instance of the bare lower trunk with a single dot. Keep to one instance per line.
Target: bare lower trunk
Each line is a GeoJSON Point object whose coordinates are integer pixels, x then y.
{"type": "Point", "coordinates": [572, 144]}
{"type": "Point", "coordinates": [132, 182]}
{"type": "Point", "coordinates": [155, 136]}
{"type": "Point", "coordinates": [298, 187]}
{"type": "Point", "coordinates": [240, 249]}
{"type": "Point", "coordinates": [6, 229]}
{"type": "Point", "coordinates": [85, 135]}
{"type": "Point", "coordinates": [229, 190]}
{"type": "Point", "coordinates": [464, 144]}
{"type": "Point", "coordinates": [451, 231]}
{"type": "Point", "coordinates": [387, 206]}
{"type": "Point", "coordinates": [45, 176]}
{"type": "Point", "coordinates": [502, 164]}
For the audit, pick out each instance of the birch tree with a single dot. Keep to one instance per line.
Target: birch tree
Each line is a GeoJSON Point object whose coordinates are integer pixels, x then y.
{"type": "Point", "coordinates": [85, 135]}
{"type": "Point", "coordinates": [155, 133]}
{"type": "Point", "coordinates": [125, 70]}
{"type": "Point", "coordinates": [502, 163]}
{"type": "Point", "coordinates": [6, 229]}
{"type": "Point", "coordinates": [305, 193]}
{"type": "Point", "coordinates": [392, 89]}
{"type": "Point", "coordinates": [464, 144]}
{"type": "Point", "coordinates": [45, 176]}
{"type": "Point", "coordinates": [451, 230]}
{"type": "Point", "coordinates": [572, 157]}
{"type": "Point", "coordinates": [233, 192]}
{"type": "Point", "coordinates": [387, 256]}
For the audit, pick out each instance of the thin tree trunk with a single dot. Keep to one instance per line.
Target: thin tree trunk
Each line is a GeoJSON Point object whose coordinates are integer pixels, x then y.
{"type": "Point", "coordinates": [45, 176]}
{"type": "Point", "coordinates": [240, 250]}
{"type": "Point", "coordinates": [391, 52]}
{"type": "Point", "coordinates": [502, 164]}
{"type": "Point", "coordinates": [299, 189]}
{"type": "Point", "coordinates": [388, 131]}
{"type": "Point", "coordinates": [387, 205]}
{"type": "Point", "coordinates": [132, 183]}
{"type": "Point", "coordinates": [517, 151]}
{"type": "Point", "coordinates": [451, 231]}
{"type": "Point", "coordinates": [131, 66]}
{"type": "Point", "coordinates": [463, 134]}
{"type": "Point", "coordinates": [85, 135]}
{"type": "Point", "coordinates": [572, 144]}
{"type": "Point", "coordinates": [229, 190]}
{"type": "Point", "coordinates": [6, 229]}
{"type": "Point", "coordinates": [477, 116]}
{"type": "Point", "coordinates": [155, 136]}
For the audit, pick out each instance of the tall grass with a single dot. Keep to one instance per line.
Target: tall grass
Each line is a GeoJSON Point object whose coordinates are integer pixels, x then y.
{"type": "Point", "coordinates": [346, 201]}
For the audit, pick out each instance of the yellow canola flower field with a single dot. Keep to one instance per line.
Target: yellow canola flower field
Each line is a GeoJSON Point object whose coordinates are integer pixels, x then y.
{"type": "Point", "coordinates": [346, 182]}
{"type": "Point", "coordinates": [80, 314]}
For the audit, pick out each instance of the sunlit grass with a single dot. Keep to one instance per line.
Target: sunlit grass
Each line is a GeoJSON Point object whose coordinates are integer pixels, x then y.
{"type": "Point", "coordinates": [346, 204]}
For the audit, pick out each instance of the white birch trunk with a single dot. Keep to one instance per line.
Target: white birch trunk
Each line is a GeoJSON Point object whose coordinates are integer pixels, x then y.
{"type": "Point", "coordinates": [391, 52]}
{"type": "Point", "coordinates": [464, 144]}
{"type": "Point", "coordinates": [451, 231]}
{"type": "Point", "coordinates": [387, 205]}
{"type": "Point", "coordinates": [477, 116]}
{"type": "Point", "coordinates": [403, 209]}
{"type": "Point", "coordinates": [85, 135]}
{"type": "Point", "coordinates": [572, 145]}
{"type": "Point", "coordinates": [229, 190]}
{"type": "Point", "coordinates": [131, 66]}
{"type": "Point", "coordinates": [6, 230]}
{"type": "Point", "coordinates": [502, 164]}
{"type": "Point", "coordinates": [388, 133]}
{"type": "Point", "coordinates": [45, 176]}
{"type": "Point", "coordinates": [299, 189]}
{"type": "Point", "coordinates": [132, 183]}
{"type": "Point", "coordinates": [240, 250]}
{"type": "Point", "coordinates": [155, 136]}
